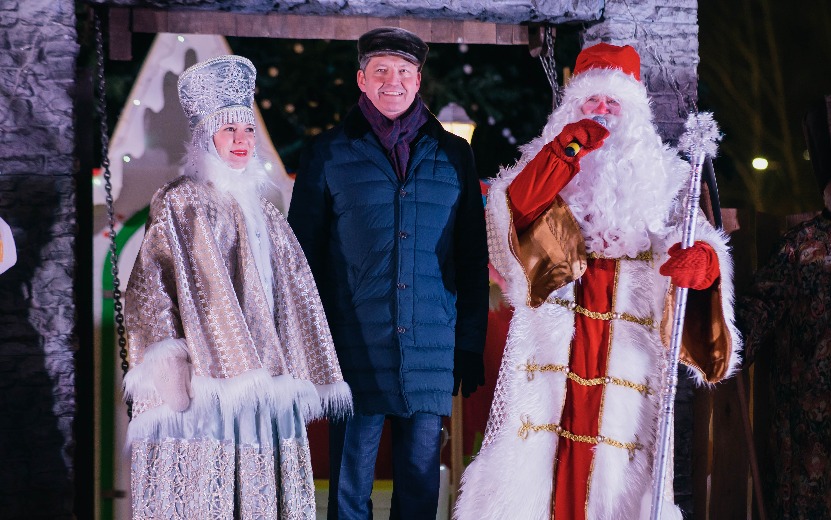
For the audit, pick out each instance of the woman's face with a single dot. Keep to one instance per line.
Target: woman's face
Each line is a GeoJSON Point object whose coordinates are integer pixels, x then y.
{"type": "Point", "coordinates": [235, 144]}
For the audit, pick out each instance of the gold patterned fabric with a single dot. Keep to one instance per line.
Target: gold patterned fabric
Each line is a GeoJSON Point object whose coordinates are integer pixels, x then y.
{"type": "Point", "coordinates": [551, 252]}
{"type": "Point", "coordinates": [706, 343]}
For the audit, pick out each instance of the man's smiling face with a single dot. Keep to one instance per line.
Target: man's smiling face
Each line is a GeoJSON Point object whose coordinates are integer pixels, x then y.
{"type": "Point", "coordinates": [391, 83]}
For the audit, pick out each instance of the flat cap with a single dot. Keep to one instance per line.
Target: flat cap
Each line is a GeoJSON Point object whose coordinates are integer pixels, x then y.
{"type": "Point", "coordinates": [392, 40]}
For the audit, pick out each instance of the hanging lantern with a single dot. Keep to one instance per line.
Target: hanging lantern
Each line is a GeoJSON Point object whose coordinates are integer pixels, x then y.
{"type": "Point", "coordinates": [455, 120]}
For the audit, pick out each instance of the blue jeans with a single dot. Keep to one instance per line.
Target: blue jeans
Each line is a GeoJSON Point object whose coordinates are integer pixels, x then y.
{"type": "Point", "coordinates": [353, 448]}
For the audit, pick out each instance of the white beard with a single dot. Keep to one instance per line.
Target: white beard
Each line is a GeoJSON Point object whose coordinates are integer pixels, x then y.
{"type": "Point", "coordinates": [626, 190]}
{"type": "Point", "coordinates": [624, 193]}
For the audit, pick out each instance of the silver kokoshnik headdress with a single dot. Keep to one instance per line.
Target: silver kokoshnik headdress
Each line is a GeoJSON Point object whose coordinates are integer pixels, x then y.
{"type": "Point", "coordinates": [216, 92]}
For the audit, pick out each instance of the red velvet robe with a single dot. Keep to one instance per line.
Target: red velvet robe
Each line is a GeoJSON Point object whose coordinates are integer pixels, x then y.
{"type": "Point", "coordinates": [530, 194]}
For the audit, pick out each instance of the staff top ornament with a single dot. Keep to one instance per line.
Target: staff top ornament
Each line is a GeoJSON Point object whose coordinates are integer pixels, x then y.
{"type": "Point", "coordinates": [701, 134]}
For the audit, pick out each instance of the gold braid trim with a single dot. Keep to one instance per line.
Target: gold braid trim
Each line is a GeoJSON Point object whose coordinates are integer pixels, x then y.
{"type": "Point", "coordinates": [606, 316]}
{"type": "Point", "coordinates": [532, 367]}
{"type": "Point", "coordinates": [643, 256]}
{"type": "Point", "coordinates": [528, 426]}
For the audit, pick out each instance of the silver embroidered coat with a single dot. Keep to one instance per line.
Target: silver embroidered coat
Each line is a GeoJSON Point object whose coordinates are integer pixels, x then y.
{"type": "Point", "coordinates": [240, 449]}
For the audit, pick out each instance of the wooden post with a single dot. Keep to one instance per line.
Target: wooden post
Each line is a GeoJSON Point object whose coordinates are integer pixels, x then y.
{"type": "Point", "coordinates": [456, 447]}
{"type": "Point", "coordinates": [120, 36]}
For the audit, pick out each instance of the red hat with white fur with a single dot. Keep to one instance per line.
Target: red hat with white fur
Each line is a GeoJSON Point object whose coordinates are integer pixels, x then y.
{"type": "Point", "coordinates": [607, 56]}
{"type": "Point", "coordinates": [611, 70]}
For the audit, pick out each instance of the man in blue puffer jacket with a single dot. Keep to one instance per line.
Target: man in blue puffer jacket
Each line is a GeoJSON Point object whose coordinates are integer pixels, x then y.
{"type": "Point", "coordinates": [388, 210]}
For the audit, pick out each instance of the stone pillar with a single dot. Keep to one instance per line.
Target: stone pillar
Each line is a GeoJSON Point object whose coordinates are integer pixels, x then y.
{"type": "Point", "coordinates": [665, 34]}
{"type": "Point", "coordinates": [38, 49]}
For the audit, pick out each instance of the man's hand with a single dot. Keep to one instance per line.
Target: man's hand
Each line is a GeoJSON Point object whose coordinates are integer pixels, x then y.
{"type": "Point", "coordinates": [469, 370]}
{"type": "Point", "coordinates": [694, 268]}
{"type": "Point", "coordinates": [581, 137]}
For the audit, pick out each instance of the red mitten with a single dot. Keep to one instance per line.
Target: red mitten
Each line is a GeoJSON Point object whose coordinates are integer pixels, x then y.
{"type": "Point", "coordinates": [579, 138]}
{"type": "Point", "coordinates": [694, 268]}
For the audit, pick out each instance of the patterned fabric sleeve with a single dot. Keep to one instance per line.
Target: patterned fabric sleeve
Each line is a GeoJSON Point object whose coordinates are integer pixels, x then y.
{"type": "Point", "coordinates": [151, 308]}
{"type": "Point", "coordinates": [761, 310]}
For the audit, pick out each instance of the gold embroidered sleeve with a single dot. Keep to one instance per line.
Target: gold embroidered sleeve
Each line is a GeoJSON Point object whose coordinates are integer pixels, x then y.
{"type": "Point", "coordinates": [706, 341]}
{"type": "Point", "coordinates": [552, 252]}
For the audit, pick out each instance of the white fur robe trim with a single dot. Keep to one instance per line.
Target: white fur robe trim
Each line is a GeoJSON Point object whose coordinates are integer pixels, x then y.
{"type": "Point", "coordinates": [272, 393]}
{"type": "Point", "coordinates": [513, 477]}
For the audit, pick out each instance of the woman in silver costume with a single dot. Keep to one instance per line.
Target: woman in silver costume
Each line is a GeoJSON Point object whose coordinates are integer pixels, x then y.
{"type": "Point", "coordinates": [229, 349]}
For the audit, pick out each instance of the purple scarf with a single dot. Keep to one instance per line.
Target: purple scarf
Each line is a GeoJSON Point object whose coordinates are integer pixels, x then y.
{"type": "Point", "coordinates": [395, 135]}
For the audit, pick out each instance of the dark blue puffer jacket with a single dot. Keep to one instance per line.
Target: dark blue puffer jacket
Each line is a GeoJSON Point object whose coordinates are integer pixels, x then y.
{"type": "Point", "coordinates": [401, 266]}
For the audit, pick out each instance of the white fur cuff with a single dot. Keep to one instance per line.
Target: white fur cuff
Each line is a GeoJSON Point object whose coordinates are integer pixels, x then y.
{"type": "Point", "coordinates": [164, 373]}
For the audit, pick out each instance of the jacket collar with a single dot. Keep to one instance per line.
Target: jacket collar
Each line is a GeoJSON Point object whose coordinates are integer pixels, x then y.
{"type": "Point", "coordinates": [356, 126]}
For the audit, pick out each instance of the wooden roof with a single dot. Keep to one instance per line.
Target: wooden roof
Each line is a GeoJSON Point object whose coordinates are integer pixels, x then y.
{"type": "Point", "coordinates": [503, 22]}
{"type": "Point", "coordinates": [498, 11]}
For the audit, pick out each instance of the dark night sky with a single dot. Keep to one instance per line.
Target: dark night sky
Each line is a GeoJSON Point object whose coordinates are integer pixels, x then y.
{"type": "Point", "coordinates": [762, 63]}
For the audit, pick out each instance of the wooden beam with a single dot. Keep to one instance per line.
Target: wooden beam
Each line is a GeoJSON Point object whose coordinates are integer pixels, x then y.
{"type": "Point", "coordinates": [316, 27]}
{"type": "Point", "coordinates": [476, 32]}
{"type": "Point", "coordinates": [505, 35]}
{"type": "Point", "coordinates": [254, 25]}
{"type": "Point", "coordinates": [536, 40]}
{"type": "Point", "coordinates": [120, 37]}
{"type": "Point", "coordinates": [150, 21]}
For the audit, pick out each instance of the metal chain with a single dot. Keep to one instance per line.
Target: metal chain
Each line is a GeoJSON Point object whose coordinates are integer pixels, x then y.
{"type": "Point", "coordinates": [105, 163]}
{"type": "Point", "coordinates": [549, 64]}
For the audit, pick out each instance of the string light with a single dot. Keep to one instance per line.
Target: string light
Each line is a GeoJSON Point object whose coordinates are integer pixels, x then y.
{"type": "Point", "coordinates": [760, 163]}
